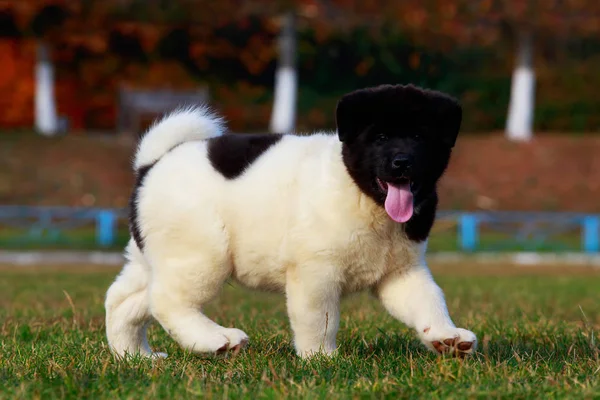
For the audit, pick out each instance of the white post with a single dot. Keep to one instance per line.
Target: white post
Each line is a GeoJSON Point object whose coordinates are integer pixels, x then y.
{"type": "Point", "coordinates": [283, 116]}
{"type": "Point", "coordinates": [519, 126]}
{"type": "Point", "coordinates": [46, 120]}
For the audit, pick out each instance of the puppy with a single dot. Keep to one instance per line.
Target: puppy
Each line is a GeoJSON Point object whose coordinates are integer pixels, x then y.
{"type": "Point", "coordinates": [315, 217]}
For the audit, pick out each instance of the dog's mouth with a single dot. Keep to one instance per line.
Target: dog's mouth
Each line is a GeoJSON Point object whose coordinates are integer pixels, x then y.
{"type": "Point", "coordinates": [398, 199]}
{"type": "Point", "coordinates": [384, 185]}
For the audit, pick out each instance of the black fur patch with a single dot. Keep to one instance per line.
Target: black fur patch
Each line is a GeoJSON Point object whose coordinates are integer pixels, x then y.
{"type": "Point", "coordinates": [408, 109]}
{"type": "Point", "coordinates": [134, 226]}
{"type": "Point", "coordinates": [418, 227]}
{"type": "Point", "coordinates": [232, 154]}
{"type": "Point", "coordinates": [399, 134]}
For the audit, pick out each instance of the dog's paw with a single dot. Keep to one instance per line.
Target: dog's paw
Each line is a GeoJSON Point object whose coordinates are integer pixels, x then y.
{"type": "Point", "coordinates": [308, 354]}
{"type": "Point", "coordinates": [139, 354]}
{"type": "Point", "coordinates": [316, 350]}
{"type": "Point", "coordinates": [219, 341]}
{"type": "Point", "coordinates": [237, 340]}
{"type": "Point", "coordinates": [455, 341]}
{"type": "Point", "coordinates": [209, 342]}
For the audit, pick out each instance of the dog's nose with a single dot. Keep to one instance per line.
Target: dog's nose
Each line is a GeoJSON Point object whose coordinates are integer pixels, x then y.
{"type": "Point", "coordinates": [401, 162]}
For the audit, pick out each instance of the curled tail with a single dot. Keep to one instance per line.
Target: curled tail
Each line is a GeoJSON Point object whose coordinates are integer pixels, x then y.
{"type": "Point", "coordinates": [180, 126]}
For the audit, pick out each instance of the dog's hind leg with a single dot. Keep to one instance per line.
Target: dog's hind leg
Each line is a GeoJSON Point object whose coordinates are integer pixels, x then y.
{"type": "Point", "coordinates": [181, 285]}
{"type": "Point", "coordinates": [128, 308]}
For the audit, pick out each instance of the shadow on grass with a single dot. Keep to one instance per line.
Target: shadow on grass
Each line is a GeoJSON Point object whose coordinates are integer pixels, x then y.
{"type": "Point", "coordinates": [533, 349]}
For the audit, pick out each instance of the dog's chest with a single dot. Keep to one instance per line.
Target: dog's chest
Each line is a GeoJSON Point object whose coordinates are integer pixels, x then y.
{"type": "Point", "coordinates": [371, 255]}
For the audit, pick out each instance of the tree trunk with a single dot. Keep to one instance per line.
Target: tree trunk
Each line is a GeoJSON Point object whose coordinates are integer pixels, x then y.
{"type": "Point", "coordinates": [519, 126]}
{"type": "Point", "coordinates": [46, 120]}
{"type": "Point", "coordinates": [283, 116]}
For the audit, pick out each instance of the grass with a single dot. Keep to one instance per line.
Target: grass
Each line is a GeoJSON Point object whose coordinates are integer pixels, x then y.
{"type": "Point", "coordinates": [537, 329]}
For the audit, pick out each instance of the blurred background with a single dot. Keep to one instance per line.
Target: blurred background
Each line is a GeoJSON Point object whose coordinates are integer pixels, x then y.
{"type": "Point", "coordinates": [81, 79]}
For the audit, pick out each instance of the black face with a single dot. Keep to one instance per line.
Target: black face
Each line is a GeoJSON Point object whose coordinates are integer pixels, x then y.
{"type": "Point", "coordinates": [399, 135]}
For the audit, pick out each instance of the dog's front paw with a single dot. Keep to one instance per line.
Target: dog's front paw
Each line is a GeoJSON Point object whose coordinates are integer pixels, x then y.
{"type": "Point", "coordinates": [237, 339]}
{"type": "Point", "coordinates": [319, 352]}
{"type": "Point", "coordinates": [455, 341]}
{"type": "Point", "coordinates": [308, 349]}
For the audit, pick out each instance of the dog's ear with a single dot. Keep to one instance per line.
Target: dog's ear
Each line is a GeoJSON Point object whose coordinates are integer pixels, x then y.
{"type": "Point", "coordinates": [398, 104]}
{"type": "Point", "coordinates": [447, 116]}
{"type": "Point", "coordinates": [354, 114]}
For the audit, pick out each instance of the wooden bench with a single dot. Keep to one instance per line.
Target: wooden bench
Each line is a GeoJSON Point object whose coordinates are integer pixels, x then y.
{"type": "Point", "coordinates": [134, 104]}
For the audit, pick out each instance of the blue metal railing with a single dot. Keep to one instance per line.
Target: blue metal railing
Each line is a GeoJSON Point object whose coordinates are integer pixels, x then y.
{"type": "Point", "coordinates": [470, 231]}
{"type": "Point", "coordinates": [530, 229]}
{"type": "Point", "coordinates": [48, 223]}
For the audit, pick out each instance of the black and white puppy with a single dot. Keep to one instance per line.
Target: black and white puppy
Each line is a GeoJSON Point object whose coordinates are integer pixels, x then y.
{"type": "Point", "coordinates": [315, 217]}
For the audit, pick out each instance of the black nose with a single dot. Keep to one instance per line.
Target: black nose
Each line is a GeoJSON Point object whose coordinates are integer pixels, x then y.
{"type": "Point", "coordinates": [401, 162]}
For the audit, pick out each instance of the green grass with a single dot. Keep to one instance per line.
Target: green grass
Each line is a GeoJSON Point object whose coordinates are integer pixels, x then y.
{"type": "Point", "coordinates": [537, 331]}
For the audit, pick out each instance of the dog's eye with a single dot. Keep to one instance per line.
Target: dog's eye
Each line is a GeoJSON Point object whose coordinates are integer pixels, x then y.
{"type": "Point", "coordinates": [382, 137]}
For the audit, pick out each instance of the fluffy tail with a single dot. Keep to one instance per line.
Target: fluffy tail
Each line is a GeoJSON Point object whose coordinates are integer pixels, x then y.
{"type": "Point", "coordinates": [182, 125]}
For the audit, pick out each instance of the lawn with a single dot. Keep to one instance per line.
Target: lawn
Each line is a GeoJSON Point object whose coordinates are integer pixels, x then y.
{"type": "Point", "coordinates": [538, 331]}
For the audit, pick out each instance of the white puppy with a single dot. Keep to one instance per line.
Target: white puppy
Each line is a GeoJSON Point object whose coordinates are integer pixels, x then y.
{"type": "Point", "coordinates": [315, 217]}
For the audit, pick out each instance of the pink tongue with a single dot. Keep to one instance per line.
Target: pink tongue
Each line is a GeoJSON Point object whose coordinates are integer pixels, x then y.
{"type": "Point", "coordinates": [399, 202]}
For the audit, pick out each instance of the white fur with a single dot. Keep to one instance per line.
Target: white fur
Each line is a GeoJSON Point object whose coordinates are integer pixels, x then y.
{"type": "Point", "coordinates": [182, 125]}
{"type": "Point", "coordinates": [294, 222]}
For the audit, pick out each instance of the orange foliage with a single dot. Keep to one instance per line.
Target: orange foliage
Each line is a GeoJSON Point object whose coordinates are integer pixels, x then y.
{"type": "Point", "coordinates": [17, 83]}
{"type": "Point", "coordinates": [86, 89]}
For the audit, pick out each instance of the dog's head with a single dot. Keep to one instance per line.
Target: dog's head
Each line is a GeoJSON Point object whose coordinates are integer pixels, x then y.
{"type": "Point", "coordinates": [397, 142]}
